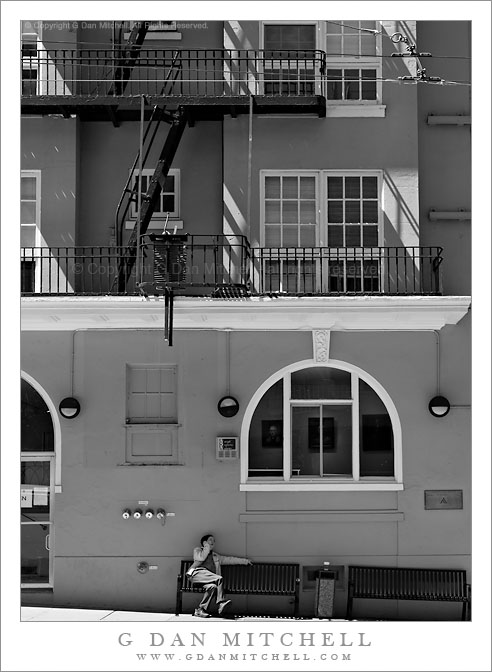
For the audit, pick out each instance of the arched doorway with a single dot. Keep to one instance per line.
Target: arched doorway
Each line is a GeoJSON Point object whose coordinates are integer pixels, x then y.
{"type": "Point", "coordinates": [37, 488]}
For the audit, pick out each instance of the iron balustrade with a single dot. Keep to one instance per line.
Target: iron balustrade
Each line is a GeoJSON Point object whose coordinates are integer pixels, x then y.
{"type": "Point", "coordinates": [206, 265]}
{"type": "Point", "coordinates": [194, 73]}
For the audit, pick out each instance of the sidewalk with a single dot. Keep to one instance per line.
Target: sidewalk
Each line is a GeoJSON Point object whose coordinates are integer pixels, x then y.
{"type": "Point", "coordinates": [56, 614]}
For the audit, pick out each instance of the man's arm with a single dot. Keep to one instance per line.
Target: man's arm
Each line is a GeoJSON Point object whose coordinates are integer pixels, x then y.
{"type": "Point", "coordinates": [201, 552]}
{"type": "Point", "coordinates": [233, 560]}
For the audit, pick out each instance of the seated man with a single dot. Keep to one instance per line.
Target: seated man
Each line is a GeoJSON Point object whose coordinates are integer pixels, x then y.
{"type": "Point", "coordinates": [206, 570]}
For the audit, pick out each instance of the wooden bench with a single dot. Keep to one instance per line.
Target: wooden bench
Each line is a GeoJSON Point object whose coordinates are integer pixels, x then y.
{"type": "Point", "coordinates": [260, 578]}
{"type": "Point", "coordinates": [409, 583]}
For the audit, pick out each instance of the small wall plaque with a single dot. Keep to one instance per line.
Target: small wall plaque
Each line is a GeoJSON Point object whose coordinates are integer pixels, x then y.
{"type": "Point", "coordinates": [443, 499]}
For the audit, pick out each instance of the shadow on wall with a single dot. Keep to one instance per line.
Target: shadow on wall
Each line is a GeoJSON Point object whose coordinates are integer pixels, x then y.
{"type": "Point", "coordinates": [393, 230]}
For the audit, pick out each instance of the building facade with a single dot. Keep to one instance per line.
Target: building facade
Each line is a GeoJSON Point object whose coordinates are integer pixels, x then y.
{"type": "Point", "coordinates": [250, 336]}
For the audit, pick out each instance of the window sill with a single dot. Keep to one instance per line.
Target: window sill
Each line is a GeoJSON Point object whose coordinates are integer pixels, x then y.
{"type": "Point", "coordinates": [320, 486]}
{"type": "Point", "coordinates": [157, 224]}
{"type": "Point", "coordinates": [355, 110]}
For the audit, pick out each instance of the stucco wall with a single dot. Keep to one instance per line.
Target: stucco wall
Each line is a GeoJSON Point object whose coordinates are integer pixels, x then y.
{"type": "Point", "coordinates": [445, 151]}
{"type": "Point", "coordinates": [50, 145]}
{"type": "Point", "coordinates": [96, 551]}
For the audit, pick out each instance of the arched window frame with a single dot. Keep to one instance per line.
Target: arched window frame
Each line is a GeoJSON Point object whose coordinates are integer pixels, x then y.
{"type": "Point", "coordinates": [384, 483]}
{"type": "Point", "coordinates": [56, 426]}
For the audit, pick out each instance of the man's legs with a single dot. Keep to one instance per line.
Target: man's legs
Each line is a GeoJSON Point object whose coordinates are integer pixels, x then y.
{"type": "Point", "coordinates": [212, 584]}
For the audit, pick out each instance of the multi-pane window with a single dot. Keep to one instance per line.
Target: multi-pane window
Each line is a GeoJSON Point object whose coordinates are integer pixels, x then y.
{"type": "Point", "coordinates": [289, 58]}
{"type": "Point", "coordinates": [29, 234]}
{"type": "Point", "coordinates": [331, 425]}
{"type": "Point", "coordinates": [321, 239]}
{"type": "Point", "coordinates": [353, 63]}
{"type": "Point", "coordinates": [151, 394]}
{"type": "Point", "coordinates": [168, 203]}
{"type": "Point", "coordinates": [352, 210]}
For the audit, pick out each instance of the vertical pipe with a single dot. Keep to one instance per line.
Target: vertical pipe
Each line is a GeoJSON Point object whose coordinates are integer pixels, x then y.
{"type": "Point", "coordinates": [250, 155]}
{"type": "Point", "coordinates": [138, 270]}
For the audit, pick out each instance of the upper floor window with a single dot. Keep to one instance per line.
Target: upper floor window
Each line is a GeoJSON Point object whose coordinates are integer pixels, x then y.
{"type": "Point", "coordinates": [321, 424]}
{"type": "Point", "coordinates": [30, 65]}
{"type": "Point", "coordinates": [168, 204]}
{"type": "Point", "coordinates": [289, 62]}
{"type": "Point", "coordinates": [353, 71]}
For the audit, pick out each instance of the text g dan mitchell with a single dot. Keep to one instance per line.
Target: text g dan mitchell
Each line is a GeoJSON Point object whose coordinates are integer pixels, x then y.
{"type": "Point", "coordinates": [247, 639]}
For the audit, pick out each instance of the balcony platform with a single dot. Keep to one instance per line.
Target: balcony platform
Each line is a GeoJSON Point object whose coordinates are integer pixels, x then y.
{"type": "Point", "coordinates": [200, 108]}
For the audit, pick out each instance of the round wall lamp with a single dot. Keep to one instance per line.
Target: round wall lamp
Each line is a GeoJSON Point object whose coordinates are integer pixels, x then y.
{"type": "Point", "coordinates": [69, 408]}
{"type": "Point", "coordinates": [439, 406]}
{"type": "Point", "coordinates": [228, 406]}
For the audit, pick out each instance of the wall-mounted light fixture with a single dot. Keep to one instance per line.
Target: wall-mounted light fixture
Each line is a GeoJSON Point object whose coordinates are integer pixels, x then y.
{"type": "Point", "coordinates": [439, 406]}
{"type": "Point", "coordinates": [228, 406]}
{"type": "Point", "coordinates": [69, 408]}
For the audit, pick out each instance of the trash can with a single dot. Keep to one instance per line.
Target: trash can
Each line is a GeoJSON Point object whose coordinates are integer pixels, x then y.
{"type": "Point", "coordinates": [324, 593]}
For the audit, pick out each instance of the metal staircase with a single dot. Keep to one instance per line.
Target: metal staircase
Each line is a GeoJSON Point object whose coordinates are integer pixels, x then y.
{"type": "Point", "coordinates": [128, 57]}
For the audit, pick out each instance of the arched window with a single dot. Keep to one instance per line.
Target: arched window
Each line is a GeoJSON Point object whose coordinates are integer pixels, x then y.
{"type": "Point", "coordinates": [321, 427]}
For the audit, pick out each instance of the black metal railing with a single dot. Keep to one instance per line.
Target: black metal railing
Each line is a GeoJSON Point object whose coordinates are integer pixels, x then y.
{"type": "Point", "coordinates": [207, 265]}
{"type": "Point", "coordinates": [194, 73]}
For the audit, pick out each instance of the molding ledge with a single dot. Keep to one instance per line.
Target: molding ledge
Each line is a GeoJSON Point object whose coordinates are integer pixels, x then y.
{"type": "Point", "coordinates": [322, 517]}
{"type": "Point", "coordinates": [391, 313]}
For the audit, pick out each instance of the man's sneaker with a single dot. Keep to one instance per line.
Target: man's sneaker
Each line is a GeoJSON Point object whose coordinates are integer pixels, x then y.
{"type": "Point", "coordinates": [223, 605]}
{"type": "Point", "coordinates": [201, 613]}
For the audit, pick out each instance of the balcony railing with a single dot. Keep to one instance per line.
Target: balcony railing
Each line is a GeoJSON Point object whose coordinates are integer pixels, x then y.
{"type": "Point", "coordinates": [226, 266]}
{"type": "Point", "coordinates": [181, 73]}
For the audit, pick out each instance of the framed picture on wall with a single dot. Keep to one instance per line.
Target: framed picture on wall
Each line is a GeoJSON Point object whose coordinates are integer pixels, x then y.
{"type": "Point", "coordinates": [272, 434]}
{"type": "Point", "coordinates": [377, 434]}
{"type": "Point", "coordinates": [328, 434]}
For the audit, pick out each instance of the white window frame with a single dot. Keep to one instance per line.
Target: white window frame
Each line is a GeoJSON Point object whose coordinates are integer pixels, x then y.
{"type": "Point", "coordinates": [260, 66]}
{"type": "Point", "coordinates": [159, 217]}
{"type": "Point", "coordinates": [353, 108]}
{"type": "Point", "coordinates": [151, 420]}
{"type": "Point", "coordinates": [44, 457]}
{"type": "Point", "coordinates": [326, 483]}
{"type": "Point", "coordinates": [322, 214]}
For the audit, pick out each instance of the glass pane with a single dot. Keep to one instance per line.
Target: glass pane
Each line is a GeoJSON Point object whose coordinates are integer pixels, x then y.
{"type": "Point", "coordinates": [337, 440]}
{"type": "Point", "coordinates": [28, 236]}
{"type": "Point", "coordinates": [370, 236]}
{"type": "Point", "coordinates": [308, 212]}
{"type": "Point", "coordinates": [308, 187]}
{"type": "Point", "coordinates": [290, 237]}
{"type": "Point", "coordinates": [321, 383]}
{"type": "Point", "coordinates": [305, 460]}
{"type": "Point", "coordinates": [335, 187]}
{"type": "Point", "coordinates": [272, 236]}
{"type": "Point", "coordinates": [266, 434]}
{"type": "Point", "coordinates": [290, 187]}
{"type": "Point", "coordinates": [168, 204]}
{"type": "Point", "coordinates": [153, 380]}
{"type": "Point", "coordinates": [370, 211]}
{"type": "Point", "coordinates": [335, 212]}
{"type": "Point", "coordinates": [28, 188]}
{"type": "Point", "coordinates": [28, 212]}
{"type": "Point", "coordinates": [272, 187]}
{"type": "Point", "coordinates": [376, 434]}
{"type": "Point", "coordinates": [334, 84]}
{"type": "Point", "coordinates": [35, 491]}
{"type": "Point", "coordinates": [370, 187]}
{"type": "Point", "coordinates": [334, 44]}
{"type": "Point", "coordinates": [351, 89]}
{"type": "Point", "coordinates": [368, 44]}
{"type": "Point", "coordinates": [352, 187]}
{"type": "Point", "coordinates": [368, 85]}
{"type": "Point", "coordinates": [272, 212]}
{"type": "Point", "coordinates": [34, 556]}
{"type": "Point", "coordinates": [352, 211]}
{"type": "Point", "coordinates": [351, 45]}
{"type": "Point", "coordinates": [290, 214]}
{"type": "Point", "coordinates": [352, 236]}
{"type": "Point", "coordinates": [36, 423]}
{"type": "Point", "coordinates": [335, 236]}
{"type": "Point", "coordinates": [169, 184]}
{"type": "Point", "coordinates": [308, 236]}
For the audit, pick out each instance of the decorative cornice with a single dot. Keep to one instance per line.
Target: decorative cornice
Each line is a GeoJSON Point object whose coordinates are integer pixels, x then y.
{"type": "Point", "coordinates": [252, 314]}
